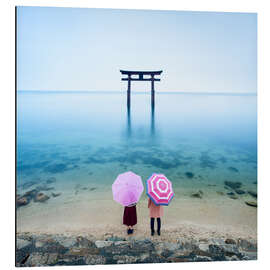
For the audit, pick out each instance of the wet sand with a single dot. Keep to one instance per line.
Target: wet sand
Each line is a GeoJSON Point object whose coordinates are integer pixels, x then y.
{"type": "Point", "coordinates": [211, 216]}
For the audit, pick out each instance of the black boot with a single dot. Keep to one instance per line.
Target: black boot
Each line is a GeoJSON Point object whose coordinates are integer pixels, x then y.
{"type": "Point", "coordinates": [159, 225]}
{"type": "Point", "coordinates": [152, 226]}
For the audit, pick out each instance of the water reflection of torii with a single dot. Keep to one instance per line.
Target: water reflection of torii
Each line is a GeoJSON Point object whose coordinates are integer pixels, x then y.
{"type": "Point", "coordinates": [140, 77]}
{"type": "Point", "coordinates": [129, 132]}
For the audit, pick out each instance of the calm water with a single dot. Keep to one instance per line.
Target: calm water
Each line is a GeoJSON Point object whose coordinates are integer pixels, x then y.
{"type": "Point", "coordinates": [87, 139]}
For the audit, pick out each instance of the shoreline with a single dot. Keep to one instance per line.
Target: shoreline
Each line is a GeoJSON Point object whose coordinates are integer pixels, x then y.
{"type": "Point", "coordinates": [82, 249]}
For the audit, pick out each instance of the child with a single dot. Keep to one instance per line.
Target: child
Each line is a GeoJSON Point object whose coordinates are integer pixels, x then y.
{"type": "Point", "coordinates": [155, 211]}
{"type": "Point", "coordinates": [130, 217]}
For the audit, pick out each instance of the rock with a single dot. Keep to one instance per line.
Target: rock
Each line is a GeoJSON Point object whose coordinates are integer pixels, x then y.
{"type": "Point", "coordinates": [233, 185]}
{"type": "Point", "coordinates": [28, 184]}
{"type": "Point", "coordinates": [248, 246]}
{"type": "Point", "coordinates": [93, 188]}
{"type": "Point", "coordinates": [31, 194]}
{"type": "Point", "coordinates": [249, 203]}
{"type": "Point", "coordinates": [44, 188]}
{"type": "Point", "coordinates": [41, 197]}
{"type": "Point", "coordinates": [233, 169]}
{"type": "Point", "coordinates": [21, 243]}
{"type": "Point", "coordinates": [67, 242]}
{"type": "Point", "coordinates": [83, 251]}
{"type": "Point", "coordinates": [230, 193]}
{"type": "Point", "coordinates": [102, 244]}
{"type": "Point", "coordinates": [95, 259]}
{"type": "Point", "coordinates": [230, 241]}
{"type": "Point", "coordinates": [37, 259]}
{"type": "Point", "coordinates": [253, 194]}
{"type": "Point", "coordinates": [56, 194]}
{"type": "Point", "coordinates": [144, 257]}
{"type": "Point", "coordinates": [189, 175]}
{"type": "Point", "coordinates": [202, 259]}
{"type": "Point", "coordinates": [249, 255]}
{"type": "Point", "coordinates": [220, 193]}
{"type": "Point", "coordinates": [39, 244]}
{"type": "Point", "coordinates": [216, 252]}
{"type": "Point", "coordinates": [115, 238]}
{"type": "Point", "coordinates": [118, 243]}
{"type": "Point", "coordinates": [239, 191]}
{"type": "Point", "coordinates": [197, 194]}
{"type": "Point", "coordinates": [234, 197]}
{"type": "Point", "coordinates": [51, 180]}
{"type": "Point", "coordinates": [170, 246]}
{"type": "Point", "coordinates": [230, 249]}
{"type": "Point", "coordinates": [52, 258]}
{"type": "Point", "coordinates": [204, 247]}
{"type": "Point", "coordinates": [85, 242]}
{"type": "Point", "coordinates": [125, 259]}
{"type": "Point", "coordinates": [21, 201]}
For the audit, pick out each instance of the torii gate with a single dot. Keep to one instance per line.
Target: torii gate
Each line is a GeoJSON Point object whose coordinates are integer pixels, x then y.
{"type": "Point", "coordinates": [141, 77]}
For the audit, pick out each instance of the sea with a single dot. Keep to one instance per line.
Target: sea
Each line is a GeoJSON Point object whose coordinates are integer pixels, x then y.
{"type": "Point", "coordinates": [77, 143]}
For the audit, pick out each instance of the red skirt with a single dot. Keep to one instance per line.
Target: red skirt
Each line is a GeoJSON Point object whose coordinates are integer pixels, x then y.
{"type": "Point", "coordinates": [130, 216]}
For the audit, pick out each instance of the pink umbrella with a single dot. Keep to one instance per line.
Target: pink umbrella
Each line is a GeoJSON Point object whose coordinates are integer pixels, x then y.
{"type": "Point", "coordinates": [127, 188]}
{"type": "Point", "coordinates": [159, 189]}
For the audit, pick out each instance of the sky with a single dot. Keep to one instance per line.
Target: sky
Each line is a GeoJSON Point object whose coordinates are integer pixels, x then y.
{"type": "Point", "coordinates": [84, 49]}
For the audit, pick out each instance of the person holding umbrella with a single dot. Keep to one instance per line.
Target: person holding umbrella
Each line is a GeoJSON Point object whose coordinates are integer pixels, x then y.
{"type": "Point", "coordinates": [155, 211]}
{"type": "Point", "coordinates": [130, 217]}
{"type": "Point", "coordinates": [160, 192]}
{"type": "Point", "coordinates": [127, 189]}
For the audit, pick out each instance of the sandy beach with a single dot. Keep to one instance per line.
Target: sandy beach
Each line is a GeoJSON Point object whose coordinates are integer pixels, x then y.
{"type": "Point", "coordinates": [185, 217]}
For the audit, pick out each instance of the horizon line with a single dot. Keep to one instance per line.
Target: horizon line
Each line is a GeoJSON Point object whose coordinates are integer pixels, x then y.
{"type": "Point", "coordinates": [139, 92]}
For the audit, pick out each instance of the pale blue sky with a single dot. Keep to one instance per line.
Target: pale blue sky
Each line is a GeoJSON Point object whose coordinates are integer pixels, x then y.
{"type": "Point", "coordinates": [84, 49]}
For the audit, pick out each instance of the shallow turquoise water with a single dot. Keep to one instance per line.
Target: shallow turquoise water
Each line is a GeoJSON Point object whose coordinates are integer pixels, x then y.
{"type": "Point", "coordinates": [87, 139]}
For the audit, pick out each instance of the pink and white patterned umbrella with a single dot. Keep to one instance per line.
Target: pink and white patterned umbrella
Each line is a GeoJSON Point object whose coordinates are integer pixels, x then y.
{"type": "Point", "coordinates": [159, 189]}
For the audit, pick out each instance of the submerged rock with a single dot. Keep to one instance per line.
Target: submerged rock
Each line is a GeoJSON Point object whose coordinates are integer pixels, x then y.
{"type": "Point", "coordinates": [44, 188]}
{"type": "Point", "coordinates": [250, 203]}
{"type": "Point", "coordinates": [51, 180]}
{"type": "Point", "coordinates": [232, 169]}
{"type": "Point", "coordinates": [197, 194]}
{"type": "Point", "coordinates": [233, 185]}
{"type": "Point", "coordinates": [240, 191]}
{"type": "Point", "coordinates": [28, 184]}
{"type": "Point", "coordinates": [31, 193]}
{"type": "Point", "coordinates": [220, 193]}
{"type": "Point", "coordinates": [56, 194]}
{"type": "Point", "coordinates": [41, 197]}
{"type": "Point", "coordinates": [93, 188]}
{"type": "Point", "coordinates": [232, 195]}
{"type": "Point", "coordinates": [253, 194]}
{"type": "Point", "coordinates": [189, 175]}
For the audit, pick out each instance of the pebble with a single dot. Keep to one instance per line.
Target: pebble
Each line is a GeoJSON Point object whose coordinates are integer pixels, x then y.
{"type": "Point", "coordinates": [102, 244]}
